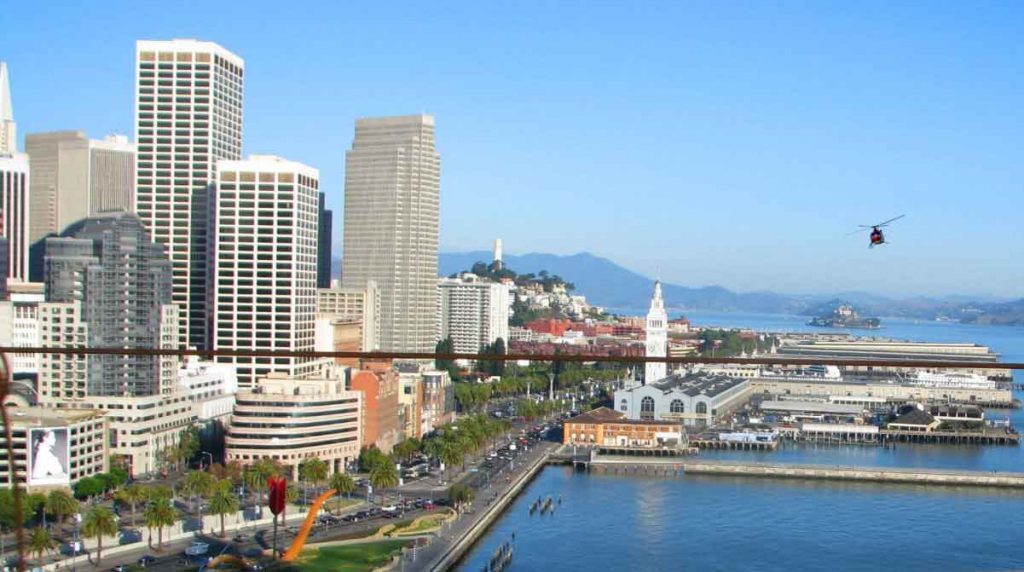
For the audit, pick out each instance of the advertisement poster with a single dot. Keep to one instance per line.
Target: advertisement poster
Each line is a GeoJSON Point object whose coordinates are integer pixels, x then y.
{"type": "Point", "coordinates": [48, 455]}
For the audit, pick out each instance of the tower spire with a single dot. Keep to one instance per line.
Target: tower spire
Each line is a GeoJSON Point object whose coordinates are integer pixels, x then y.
{"type": "Point", "coordinates": [657, 336]}
{"type": "Point", "coordinates": [8, 129]}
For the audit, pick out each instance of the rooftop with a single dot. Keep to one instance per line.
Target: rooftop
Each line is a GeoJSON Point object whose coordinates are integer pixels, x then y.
{"type": "Point", "coordinates": [697, 384]}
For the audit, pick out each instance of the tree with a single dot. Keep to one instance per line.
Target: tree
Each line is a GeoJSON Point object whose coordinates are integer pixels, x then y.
{"type": "Point", "coordinates": [87, 488]}
{"type": "Point", "coordinates": [99, 522]}
{"type": "Point", "coordinates": [343, 484]}
{"type": "Point", "coordinates": [257, 474]}
{"type": "Point", "coordinates": [60, 504]}
{"type": "Point", "coordinates": [118, 476]}
{"type": "Point", "coordinates": [407, 448]}
{"type": "Point", "coordinates": [313, 470]}
{"type": "Point", "coordinates": [159, 513]}
{"type": "Point", "coordinates": [196, 483]}
{"type": "Point", "coordinates": [133, 496]}
{"type": "Point", "coordinates": [371, 457]}
{"type": "Point", "coordinates": [460, 495]}
{"type": "Point", "coordinates": [223, 501]}
{"type": "Point", "coordinates": [40, 542]}
{"type": "Point", "coordinates": [384, 477]}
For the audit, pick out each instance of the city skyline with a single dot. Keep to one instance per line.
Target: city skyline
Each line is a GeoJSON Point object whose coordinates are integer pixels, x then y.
{"type": "Point", "coordinates": [766, 187]}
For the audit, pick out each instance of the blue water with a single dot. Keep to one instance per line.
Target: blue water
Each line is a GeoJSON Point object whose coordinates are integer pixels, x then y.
{"type": "Point", "coordinates": [715, 523]}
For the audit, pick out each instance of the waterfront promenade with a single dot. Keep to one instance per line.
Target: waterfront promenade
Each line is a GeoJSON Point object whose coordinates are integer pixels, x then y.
{"type": "Point", "coordinates": [661, 466]}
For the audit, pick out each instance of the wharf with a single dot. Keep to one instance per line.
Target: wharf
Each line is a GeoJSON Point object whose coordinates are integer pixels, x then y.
{"type": "Point", "coordinates": [679, 467]}
{"type": "Point", "coordinates": [987, 437]}
{"type": "Point", "coordinates": [735, 445]}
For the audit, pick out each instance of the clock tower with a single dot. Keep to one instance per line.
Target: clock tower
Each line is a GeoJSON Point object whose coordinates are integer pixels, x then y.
{"type": "Point", "coordinates": [657, 337]}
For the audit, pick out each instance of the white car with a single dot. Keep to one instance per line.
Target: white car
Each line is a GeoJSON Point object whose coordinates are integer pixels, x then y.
{"type": "Point", "coordinates": [197, 548]}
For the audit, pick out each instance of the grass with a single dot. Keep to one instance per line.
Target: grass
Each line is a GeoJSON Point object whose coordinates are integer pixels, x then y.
{"type": "Point", "coordinates": [350, 558]}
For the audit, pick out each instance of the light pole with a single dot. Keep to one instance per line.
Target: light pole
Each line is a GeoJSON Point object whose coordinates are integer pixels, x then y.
{"type": "Point", "coordinates": [204, 453]}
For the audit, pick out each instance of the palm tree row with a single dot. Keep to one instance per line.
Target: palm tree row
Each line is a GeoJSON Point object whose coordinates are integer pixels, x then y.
{"type": "Point", "coordinates": [452, 443]}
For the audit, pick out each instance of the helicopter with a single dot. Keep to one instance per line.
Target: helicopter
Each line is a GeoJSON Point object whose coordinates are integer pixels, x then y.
{"type": "Point", "coordinates": [877, 237]}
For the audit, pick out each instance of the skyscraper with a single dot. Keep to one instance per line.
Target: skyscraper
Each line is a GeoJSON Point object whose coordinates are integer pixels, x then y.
{"type": "Point", "coordinates": [657, 337]}
{"type": "Point", "coordinates": [323, 245]}
{"type": "Point", "coordinates": [74, 177]}
{"type": "Point", "coordinates": [107, 286]}
{"type": "Point", "coordinates": [473, 312]}
{"type": "Point", "coordinates": [392, 187]}
{"type": "Point", "coordinates": [188, 115]}
{"type": "Point", "coordinates": [14, 181]}
{"type": "Point", "coordinates": [265, 263]}
{"type": "Point", "coordinates": [8, 129]}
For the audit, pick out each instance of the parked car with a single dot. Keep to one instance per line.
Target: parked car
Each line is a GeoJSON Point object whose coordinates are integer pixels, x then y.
{"type": "Point", "coordinates": [146, 560]}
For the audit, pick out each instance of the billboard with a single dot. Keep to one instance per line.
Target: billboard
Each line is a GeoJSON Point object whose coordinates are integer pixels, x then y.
{"type": "Point", "coordinates": [49, 454]}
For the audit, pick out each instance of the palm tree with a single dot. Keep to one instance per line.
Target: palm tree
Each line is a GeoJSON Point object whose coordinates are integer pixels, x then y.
{"type": "Point", "coordinates": [313, 470]}
{"type": "Point", "coordinates": [343, 484]}
{"type": "Point", "coordinates": [159, 514]}
{"type": "Point", "coordinates": [40, 542]}
{"type": "Point", "coordinates": [196, 483]}
{"type": "Point", "coordinates": [132, 495]}
{"type": "Point", "coordinates": [460, 495]}
{"type": "Point", "coordinates": [384, 477]}
{"type": "Point", "coordinates": [99, 522]}
{"type": "Point", "coordinates": [60, 504]}
{"type": "Point", "coordinates": [223, 501]}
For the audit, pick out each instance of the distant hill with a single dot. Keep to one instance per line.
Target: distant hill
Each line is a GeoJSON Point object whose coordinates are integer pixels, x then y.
{"type": "Point", "coordinates": [1004, 314]}
{"type": "Point", "coordinates": [607, 284]}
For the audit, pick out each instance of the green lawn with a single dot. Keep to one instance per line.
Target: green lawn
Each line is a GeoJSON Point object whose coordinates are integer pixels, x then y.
{"type": "Point", "coordinates": [352, 558]}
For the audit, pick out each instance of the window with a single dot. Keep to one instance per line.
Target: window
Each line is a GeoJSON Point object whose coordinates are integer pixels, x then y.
{"type": "Point", "coordinates": [677, 406]}
{"type": "Point", "coordinates": [702, 408]}
{"type": "Point", "coordinates": [624, 405]}
{"type": "Point", "coordinates": [647, 408]}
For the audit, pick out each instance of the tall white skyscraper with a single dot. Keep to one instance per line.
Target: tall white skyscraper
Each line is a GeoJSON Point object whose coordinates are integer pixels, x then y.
{"type": "Point", "coordinates": [14, 182]}
{"type": "Point", "coordinates": [473, 313]}
{"type": "Point", "coordinates": [188, 115]}
{"type": "Point", "coordinates": [392, 189]}
{"type": "Point", "coordinates": [265, 261]}
{"type": "Point", "coordinates": [8, 129]}
{"type": "Point", "coordinates": [657, 336]}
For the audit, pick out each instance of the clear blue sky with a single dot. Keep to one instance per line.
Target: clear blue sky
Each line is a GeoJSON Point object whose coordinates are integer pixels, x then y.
{"type": "Point", "coordinates": [716, 143]}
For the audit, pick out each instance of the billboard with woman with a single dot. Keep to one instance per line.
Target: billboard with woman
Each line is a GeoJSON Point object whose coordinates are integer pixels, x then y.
{"type": "Point", "coordinates": [48, 455]}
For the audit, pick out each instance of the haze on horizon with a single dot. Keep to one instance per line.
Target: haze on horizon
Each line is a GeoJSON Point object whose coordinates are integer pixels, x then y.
{"type": "Point", "coordinates": [732, 145]}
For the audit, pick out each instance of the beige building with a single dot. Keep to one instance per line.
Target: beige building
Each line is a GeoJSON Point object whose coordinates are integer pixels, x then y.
{"type": "Point", "coordinates": [289, 419]}
{"type": "Point", "coordinates": [74, 177]}
{"type": "Point", "coordinates": [392, 212]}
{"type": "Point", "coordinates": [348, 320]}
{"type": "Point", "coordinates": [80, 446]}
{"type": "Point", "coordinates": [887, 391]}
{"type": "Point", "coordinates": [872, 349]}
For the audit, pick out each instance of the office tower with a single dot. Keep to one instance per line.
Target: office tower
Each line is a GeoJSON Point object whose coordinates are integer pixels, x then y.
{"type": "Point", "coordinates": [74, 177]}
{"type": "Point", "coordinates": [657, 337]}
{"type": "Point", "coordinates": [188, 115]}
{"type": "Point", "coordinates": [474, 313]}
{"type": "Point", "coordinates": [8, 129]}
{"type": "Point", "coordinates": [14, 212]}
{"type": "Point", "coordinates": [265, 263]}
{"type": "Point", "coordinates": [392, 185]}
{"type": "Point", "coordinates": [107, 286]}
{"type": "Point", "coordinates": [323, 248]}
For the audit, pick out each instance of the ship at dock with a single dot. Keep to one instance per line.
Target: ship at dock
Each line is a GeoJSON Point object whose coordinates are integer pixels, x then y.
{"type": "Point", "coordinates": [844, 316]}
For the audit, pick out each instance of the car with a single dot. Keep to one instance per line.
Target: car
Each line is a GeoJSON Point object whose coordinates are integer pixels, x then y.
{"type": "Point", "coordinates": [429, 505]}
{"type": "Point", "coordinates": [197, 549]}
{"type": "Point", "coordinates": [119, 568]}
{"type": "Point", "coordinates": [240, 537]}
{"type": "Point", "coordinates": [146, 560]}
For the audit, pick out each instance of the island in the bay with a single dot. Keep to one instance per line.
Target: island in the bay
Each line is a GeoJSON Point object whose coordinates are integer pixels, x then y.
{"type": "Point", "coordinates": [844, 316]}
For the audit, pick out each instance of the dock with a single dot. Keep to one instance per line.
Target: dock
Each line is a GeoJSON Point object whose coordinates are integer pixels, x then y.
{"type": "Point", "coordinates": [735, 445]}
{"type": "Point", "coordinates": [682, 467]}
{"type": "Point", "coordinates": [987, 437]}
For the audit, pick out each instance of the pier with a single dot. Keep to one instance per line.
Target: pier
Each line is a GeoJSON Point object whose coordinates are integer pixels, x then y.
{"type": "Point", "coordinates": [680, 467]}
{"type": "Point", "coordinates": [988, 437]}
{"type": "Point", "coordinates": [735, 445]}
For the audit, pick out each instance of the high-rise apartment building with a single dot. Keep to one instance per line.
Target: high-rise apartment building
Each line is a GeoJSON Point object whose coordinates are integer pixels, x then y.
{"type": "Point", "coordinates": [323, 249]}
{"type": "Point", "coordinates": [14, 184]}
{"type": "Point", "coordinates": [264, 259]}
{"type": "Point", "coordinates": [392, 186]}
{"type": "Point", "coordinates": [473, 312]}
{"type": "Point", "coordinates": [107, 286]}
{"type": "Point", "coordinates": [74, 177]}
{"type": "Point", "coordinates": [188, 116]}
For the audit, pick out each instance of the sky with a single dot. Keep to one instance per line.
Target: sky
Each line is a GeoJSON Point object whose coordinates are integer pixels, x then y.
{"type": "Point", "coordinates": [706, 143]}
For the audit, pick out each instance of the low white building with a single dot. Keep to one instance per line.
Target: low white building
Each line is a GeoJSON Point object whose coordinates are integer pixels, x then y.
{"type": "Point", "coordinates": [695, 400]}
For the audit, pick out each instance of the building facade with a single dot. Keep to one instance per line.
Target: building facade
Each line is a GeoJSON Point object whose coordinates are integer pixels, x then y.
{"type": "Point", "coordinates": [605, 427]}
{"type": "Point", "coordinates": [80, 447]}
{"type": "Point", "coordinates": [392, 191]}
{"type": "Point", "coordinates": [325, 228]}
{"type": "Point", "coordinates": [352, 320]}
{"type": "Point", "coordinates": [8, 128]}
{"type": "Point", "coordinates": [25, 298]}
{"type": "Point", "coordinates": [107, 285]}
{"type": "Point", "coordinates": [188, 116]}
{"type": "Point", "coordinates": [264, 259]}
{"type": "Point", "coordinates": [692, 400]}
{"type": "Point", "coordinates": [14, 213]}
{"type": "Point", "coordinates": [289, 419]}
{"type": "Point", "coordinates": [473, 313]}
{"type": "Point", "coordinates": [382, 421]}
{"type": "Point", "coordinates": [74, 177]}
